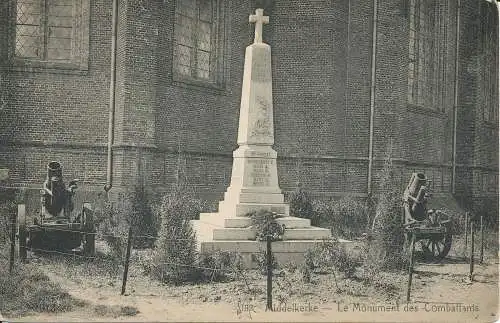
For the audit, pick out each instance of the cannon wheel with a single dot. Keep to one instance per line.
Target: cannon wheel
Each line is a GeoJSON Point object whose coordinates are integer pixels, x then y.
{"type": "Point", "coordinates": [436, 247]}
{"type": "Point", "coordinates": [22, 231]}
{"type": "Point", "coordinates": [89, 230]}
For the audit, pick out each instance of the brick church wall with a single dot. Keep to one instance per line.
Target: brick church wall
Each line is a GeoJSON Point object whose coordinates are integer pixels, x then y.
{"type": "Point", "coordinates": [322, 76]}
{"type": "Point", "coordinates": [56, 115]}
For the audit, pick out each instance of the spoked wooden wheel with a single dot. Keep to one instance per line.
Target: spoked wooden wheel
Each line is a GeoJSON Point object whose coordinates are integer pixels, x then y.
{"type": "Point", "coordinates": [436, 247]}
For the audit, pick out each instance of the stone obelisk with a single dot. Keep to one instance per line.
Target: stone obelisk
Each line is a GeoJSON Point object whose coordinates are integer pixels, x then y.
{"type": "Point", "coordinates": [254, 179]}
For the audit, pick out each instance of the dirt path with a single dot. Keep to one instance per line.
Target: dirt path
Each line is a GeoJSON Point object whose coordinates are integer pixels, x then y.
{"type": "Point", "coordinates": [436, 292]}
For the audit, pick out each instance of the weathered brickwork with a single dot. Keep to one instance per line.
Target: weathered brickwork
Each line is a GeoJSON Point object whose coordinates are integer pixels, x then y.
{"type": "Point", "coordinates": [322, 63]}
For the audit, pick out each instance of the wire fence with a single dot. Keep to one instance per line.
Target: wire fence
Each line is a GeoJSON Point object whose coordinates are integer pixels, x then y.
{"type": "Point", "coordinates": [471, 227]}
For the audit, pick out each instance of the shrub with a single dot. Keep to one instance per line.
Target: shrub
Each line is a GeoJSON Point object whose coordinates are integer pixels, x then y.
{"type": "Point", "coordinates": [220, 265]}
{"type": "Point", "coordinates": [112, 219]}
{"type": "Point", "coordinates": [330, 255]}
{"type": "Point", "coordinates": [347, 217]}
{"type": "Point", "coordinates": [176, 251]}
{"type": "Point", "coordinates": [301, 205]}
{"type": "Point", "coordinates": [385, 251]}
{"type": "Point", "coordinates": [143, 220]}
{"type": "Point", "coordinates": [264, 223]}
{"type": "Point", "coordinates": [488, 208]}
{"type": "Point", "coordinates": [261, 260]}
{"type": "Point", "coordinates": [7, 210]}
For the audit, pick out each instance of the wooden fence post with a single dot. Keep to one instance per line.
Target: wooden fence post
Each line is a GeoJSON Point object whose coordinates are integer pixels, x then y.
{"type": "Point", "coordinates": [127, 260]}
{"type": "Point", "coordinates": [466, 230]}
{"type": "Point", "coordinates": [481, 254]}
{"type": "Point", "coordinates": [410, 266]}
{"type": "Point", "coordinates": [269, 305]}
{"type": "Point", "coordinates": [471, 269]}
{"type": "Point", "coordinates": [12, 241]}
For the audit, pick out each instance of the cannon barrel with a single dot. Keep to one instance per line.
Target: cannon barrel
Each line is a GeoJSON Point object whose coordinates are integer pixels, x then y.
{"type": "Point", "coordinates": [416, 181]}
{"type": "Point", "coordinates": [54, 169]}
{"type": "Point", "coordinates": [415, 195]}
{"type": "Point", "coordinates": [55, 196]}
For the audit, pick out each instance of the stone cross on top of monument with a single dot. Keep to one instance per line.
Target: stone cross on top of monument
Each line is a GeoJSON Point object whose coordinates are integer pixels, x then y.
{"type": "Point", "coordinates": [259, 20]}
{"type": "Point", "coordinates": [254, 177]}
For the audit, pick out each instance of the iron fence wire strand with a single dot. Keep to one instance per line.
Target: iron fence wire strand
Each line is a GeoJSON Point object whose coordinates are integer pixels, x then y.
{"type": "Point", "coordinates": [185, 265]}
{"type": "Point", "coordinates": [111, 235]}
{"type": "Point", "coordinates": [73, 255]}
{"type": "Point", "coordinates": [114, 261]}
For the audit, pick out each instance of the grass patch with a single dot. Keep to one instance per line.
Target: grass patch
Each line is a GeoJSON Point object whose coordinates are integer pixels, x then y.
{"type": "Point", "coordinates": [27, 290]}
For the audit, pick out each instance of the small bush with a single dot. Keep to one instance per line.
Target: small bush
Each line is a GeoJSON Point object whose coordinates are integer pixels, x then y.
{"type": "Point", "coordinates": [306, 274]}
{"type": "Point", "coordinates": [220, 265]}
{"type": "Point", "coordinates": [386, 250]}
{"type": "Point", "coordinates": [347, 217]}
{"type": "Point", "coordinates": [7, 210]}
{"type": "Point", "coordinates": [264, 223]}
{"type": "Point", "coordinates": [488, 208]}
{"type": "Point", "coordinates": [301, 205]}
{"type": "Point", "coordinates": [114, 217]}
{"type": "Point", "coordinates": [112, 223]}
{"type": "Point", "coordinates": [176, 252]}
{"type": "Point", "coordinates": [261, 260]}
{"type": "Point", "coordinates": [5, 222]}
{"type": "Point", "coordinates": [143, 220]}
{"type": "Point", "coordinates": [331, 255]}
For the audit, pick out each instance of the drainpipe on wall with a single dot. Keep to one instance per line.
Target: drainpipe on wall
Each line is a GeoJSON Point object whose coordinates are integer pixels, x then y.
{"type": "Point", "coordinates": [112, 92]}
{"type": "Point", "coordinates": [372, 96]}
{"type": "Point", "coordinates": [455, 105]}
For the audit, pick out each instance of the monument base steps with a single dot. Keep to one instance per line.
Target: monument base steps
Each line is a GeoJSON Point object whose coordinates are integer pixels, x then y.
{"type": "Point", "coordinates": [254, 178]}
{"type": "Point", "coordinates": [241, 209]}
{"type": "Point", "coordinates": [215, 232]}
{"type": "Point", "coordinates": [284, 251]}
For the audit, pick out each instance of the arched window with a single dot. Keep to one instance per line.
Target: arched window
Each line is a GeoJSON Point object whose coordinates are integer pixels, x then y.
{"type": "Point", "coordinates": [198, 41]}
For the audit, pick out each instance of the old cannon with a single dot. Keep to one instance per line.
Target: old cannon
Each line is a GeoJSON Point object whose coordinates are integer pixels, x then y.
{"type": "Point", "coordinates": [428, 228]}
{"type": "Point", "coordinates": [57, 227]}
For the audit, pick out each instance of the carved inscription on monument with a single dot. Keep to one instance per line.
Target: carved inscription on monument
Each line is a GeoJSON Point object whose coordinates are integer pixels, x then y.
{"type": "Point", "coordinates": [260, 171]}
{"type": "Point", "coordinates": [262, 125]}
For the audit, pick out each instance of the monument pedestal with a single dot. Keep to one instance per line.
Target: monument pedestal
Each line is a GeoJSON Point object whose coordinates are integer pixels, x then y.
{"type": "Point", "coordinates": [254, 179]}
{"type": "Point", "coordinates": [215, 232]}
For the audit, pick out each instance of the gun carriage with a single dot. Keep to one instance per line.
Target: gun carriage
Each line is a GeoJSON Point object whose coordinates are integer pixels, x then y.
{"type": "Point", "coordinates": [431, 229]}
{"type": "Point", "coordinates": [57, 227]}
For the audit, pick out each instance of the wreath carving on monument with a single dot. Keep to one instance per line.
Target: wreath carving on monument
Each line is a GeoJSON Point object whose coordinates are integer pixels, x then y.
{"type": "Point", "coordinates": [262, 126]}
{"type": "Point", "coordinates": [264, 223]}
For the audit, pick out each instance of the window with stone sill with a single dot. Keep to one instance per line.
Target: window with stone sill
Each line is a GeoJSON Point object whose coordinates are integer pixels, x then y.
{"type": "Point", "coordinates": [199, 42]}
{"type": "Point", "coordinates": [428, 24]}
{"type": "Point", "coordinates": [50, 34]}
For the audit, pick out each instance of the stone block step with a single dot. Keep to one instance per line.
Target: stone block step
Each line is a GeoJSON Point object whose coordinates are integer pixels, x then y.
{"type": "Point", "coordinates": [311, 233]}
{"type": "Point", "coordinates": [290, 222]}
{"type": "Point", "coordinates": [284, 251]}
{"type": "Point", "coordinates": [240, 209]}
{"type": "Point", "coordinates": [253, 197]}
{"type": "Point", "coordinates": [214, 218]}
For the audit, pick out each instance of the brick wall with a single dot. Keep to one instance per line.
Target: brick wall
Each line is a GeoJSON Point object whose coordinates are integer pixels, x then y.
{"type": "Point", "coordinates": [55, 115]}
{"type": "Point", "coordinates": [321, 72]}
